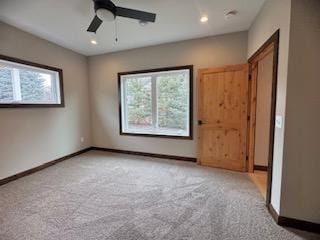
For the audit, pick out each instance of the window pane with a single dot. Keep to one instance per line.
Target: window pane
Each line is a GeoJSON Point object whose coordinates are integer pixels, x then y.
{"type": "Point", "coordinates": [156, 102]}
{"type": "Point", "coordinates": [173, 103]}
{"type": "Point", "coordinates": [138, 103]}
{"type": "Point", "coordinates": [6, 88]}
{"type": "Point", "coordinates": [26, 84]}
{"type": "Point", "coordinates": [37, 87]}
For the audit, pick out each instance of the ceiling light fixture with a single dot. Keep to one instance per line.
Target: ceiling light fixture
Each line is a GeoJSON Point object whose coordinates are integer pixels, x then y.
{"type": "Point", "coordinates": [105, 15]}
{"type": "Point", "coordinates": [94, 42]}
{"type": "Point", "coordinates": [204, 19]}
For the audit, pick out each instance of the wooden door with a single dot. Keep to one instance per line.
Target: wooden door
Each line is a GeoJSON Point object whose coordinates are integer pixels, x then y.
{"type": "Point", "coordinates": [222, 106]}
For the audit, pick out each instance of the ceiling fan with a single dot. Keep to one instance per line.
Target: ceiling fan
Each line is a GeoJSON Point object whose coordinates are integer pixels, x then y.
{"type": "Point", "coordinates": [106, 11]}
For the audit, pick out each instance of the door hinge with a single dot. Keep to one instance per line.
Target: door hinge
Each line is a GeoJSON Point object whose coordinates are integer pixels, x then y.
{"type": "Point", "coordinates": [248, 118]}
{"type": "Point", "coordinates": [250, 76]}
{"type": "Point", "coordinates": [247, 158]}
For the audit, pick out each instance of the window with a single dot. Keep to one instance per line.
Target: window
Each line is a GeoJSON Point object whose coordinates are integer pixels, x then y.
{"type": "Point", "coordinates": [156, 102]}
{"type": "Point", "coordinates": [25, 84]}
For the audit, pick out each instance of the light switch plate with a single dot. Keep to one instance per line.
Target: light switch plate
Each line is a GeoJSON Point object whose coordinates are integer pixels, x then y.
{"type": "Point", "coordinates": [279, 121]}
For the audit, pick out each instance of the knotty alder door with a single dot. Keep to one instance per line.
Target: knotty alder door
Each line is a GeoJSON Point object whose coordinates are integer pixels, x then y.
{"type": "Point", "coordinates": [222, 106]}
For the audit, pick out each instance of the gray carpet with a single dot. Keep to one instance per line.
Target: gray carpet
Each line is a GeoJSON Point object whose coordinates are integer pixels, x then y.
{"type": "Point", "coordinates": [108, 196]}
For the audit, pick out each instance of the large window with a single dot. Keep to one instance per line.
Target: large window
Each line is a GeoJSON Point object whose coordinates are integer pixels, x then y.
{"type": "Point", "coordinates": [156, 102]}
{"type": "Point", "coordinates": [25, 84]}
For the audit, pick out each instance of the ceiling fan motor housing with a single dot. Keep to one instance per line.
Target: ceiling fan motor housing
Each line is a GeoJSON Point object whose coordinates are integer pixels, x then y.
{"type": "Point", "coordinates": [105, 5]}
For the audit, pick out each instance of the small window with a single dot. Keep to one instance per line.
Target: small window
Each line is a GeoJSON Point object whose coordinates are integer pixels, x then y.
{"type": "Point", "coordinates": [156, 102]}
{"type": "Point", "coordinates": [25, 84]}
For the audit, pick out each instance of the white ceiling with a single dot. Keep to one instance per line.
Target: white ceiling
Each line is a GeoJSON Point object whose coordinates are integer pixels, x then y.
{"type": "Point", "coordinates": [65, 22]}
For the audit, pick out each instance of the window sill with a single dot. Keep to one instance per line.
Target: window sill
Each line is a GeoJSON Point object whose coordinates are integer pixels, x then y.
{"type": "Point", "coordinates": [157, 135]}
{"type": "Point", "coordinates": [29, 105]}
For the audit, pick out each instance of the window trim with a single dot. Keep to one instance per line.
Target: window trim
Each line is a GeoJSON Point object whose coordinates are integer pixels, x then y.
{"type": "Point", "coordinates": [36, 105]}
{"type": "Point", "coordinates": [186, 67]}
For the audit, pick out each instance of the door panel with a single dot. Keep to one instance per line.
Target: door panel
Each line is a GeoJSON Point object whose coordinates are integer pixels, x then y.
{"type": "Point", "coordinates": [222, 99]}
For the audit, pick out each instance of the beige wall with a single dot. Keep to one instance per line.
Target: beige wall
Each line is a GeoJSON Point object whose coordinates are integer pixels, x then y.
{"type": "Point", "coordinates": [103, 69]}
{"type": "Point", "coordinates": [263, 113]}
{"type": "Point", "coordinates": [31, 137]}
{"type": "Point", "coordinates": [295, 186]}
{"type": "Point", "coordinates": [274, 15]}
{"type": "Point", "coordinates": [300, 197]}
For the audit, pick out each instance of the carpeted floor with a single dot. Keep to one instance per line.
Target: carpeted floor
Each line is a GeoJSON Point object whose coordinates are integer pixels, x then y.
{"type": "Point", "coordinates": [99, 195]}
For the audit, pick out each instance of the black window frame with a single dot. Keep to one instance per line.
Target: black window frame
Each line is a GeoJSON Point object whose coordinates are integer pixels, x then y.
{"type": "Point", "coordinates": [185, 67]}
{"type": "Point", "coordinates": [36, 105]}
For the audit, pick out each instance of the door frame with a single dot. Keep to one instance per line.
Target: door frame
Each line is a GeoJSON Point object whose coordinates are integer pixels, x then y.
{"type": "Point", "coordinates": [272, 42]}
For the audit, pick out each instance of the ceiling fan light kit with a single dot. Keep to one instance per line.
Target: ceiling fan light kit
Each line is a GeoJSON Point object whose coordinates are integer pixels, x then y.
{"type": "Point", "coordinates": [105, 15]}
{"type": "Point", "coordinates": [106, 11]}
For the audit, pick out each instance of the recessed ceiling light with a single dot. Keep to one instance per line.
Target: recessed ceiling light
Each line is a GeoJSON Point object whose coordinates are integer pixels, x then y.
{"type": "Point", "coordinates": [204, 19]}
{"type": "Point", "coordinates": [94, 42]}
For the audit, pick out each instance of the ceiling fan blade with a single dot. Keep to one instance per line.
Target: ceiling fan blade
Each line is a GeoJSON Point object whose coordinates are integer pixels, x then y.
{"type": "Point", "coordinates": [136, 14]}
{"type": "Point", "coordinates": [94, 25]}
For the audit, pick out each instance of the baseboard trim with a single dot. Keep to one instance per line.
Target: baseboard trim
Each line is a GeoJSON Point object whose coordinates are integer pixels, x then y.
{"type": "Point", "coordinates": [145, 154]}
{"type": "Point", "coordinates": [260, 168]}
{"type": "Point", "coordinates": [293, 223]}
{"type": "Point", "coordinates": [273, 212]}
{"type": "Point", "coordinates": [299, 224]}
{"type": "Point", "coordinates": [43, 166]}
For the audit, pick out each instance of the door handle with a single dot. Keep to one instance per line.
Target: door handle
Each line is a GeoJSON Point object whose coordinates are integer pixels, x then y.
{"type": "Point", "coordinates": [200, 122]}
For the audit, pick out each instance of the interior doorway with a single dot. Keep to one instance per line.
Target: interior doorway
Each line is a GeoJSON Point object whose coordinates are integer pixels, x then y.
{"type": "Point", "coordinates": [263, 71]}
{"type": "Point", "coordinates": [236, 115]}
